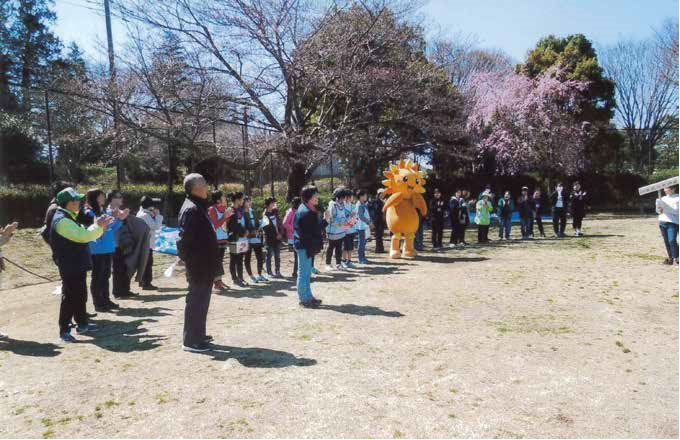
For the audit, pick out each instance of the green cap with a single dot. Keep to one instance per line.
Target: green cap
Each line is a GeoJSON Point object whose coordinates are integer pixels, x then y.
{"type": "Point", "coordinates": [68, 195]}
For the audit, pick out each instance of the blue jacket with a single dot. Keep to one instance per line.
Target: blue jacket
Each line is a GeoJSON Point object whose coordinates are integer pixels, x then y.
{"type": "Point", "coordinates": [339, 217]}
{"type": "Point", "coordinates": [106, 244]}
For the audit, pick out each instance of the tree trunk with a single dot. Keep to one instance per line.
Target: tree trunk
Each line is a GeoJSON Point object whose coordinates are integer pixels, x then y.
{"type": "Point", "coordinates": [297, 178]}
{"type": "Point", "coordinates": [172, 172]}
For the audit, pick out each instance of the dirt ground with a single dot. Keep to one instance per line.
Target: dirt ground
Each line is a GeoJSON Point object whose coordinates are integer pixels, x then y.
{"type": "Point", "coordinates": [548, 338]}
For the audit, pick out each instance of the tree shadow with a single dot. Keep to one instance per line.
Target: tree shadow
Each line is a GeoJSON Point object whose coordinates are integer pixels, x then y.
{"type": "Point", "coordinates": [156, 298]}
{"type": "Point", "coordinates": [143, 312]}
{"type": "Point", "coordinates": [124, 337]}
{"type": "Point", "coordinates": [444, 259]}
{"type": "Point", "coordinates": [170, 289]}
{"type": "Point", "coordinates": [29, 348]}
{"type": "Point", "coordinates": [353, 309]}
{"type": "Point", "coordinates": [255, 357]}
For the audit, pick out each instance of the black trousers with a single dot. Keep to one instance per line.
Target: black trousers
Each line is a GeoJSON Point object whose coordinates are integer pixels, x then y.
{"type": "Point", "coordinates": [559, 220]}
{"type": "Point", "coordinates": [148, 271]}
{"type": "Point", "coordinates": [73, 300]}
{"type": "Point", "coordinates": [379, 233]}
{"type": "Point", "coordinates": [437, 232]}
{"type": "Point", "coordinates": [99, 285]}
{"type": "Point", "coordinates": [221, 250]}
{"type": "Point", "coordinates": [121, 281]}
{"type": "Point", "coordinates": [483, 233]}
{"type": "Point", "coordinates": [334, 246]}
{"type": "Point", "coordinates": [236, 266]}
{"type": "Point", "coordinates": [578, 220]}
{"type": "Point", "coordinates": [196, 311]}
{"type": "Point", "coordinates": [539, 223]}
{"type": "Point", "coordinates": [259, 256]}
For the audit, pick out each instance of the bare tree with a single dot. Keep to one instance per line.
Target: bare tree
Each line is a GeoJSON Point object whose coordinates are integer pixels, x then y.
{"type": "Point", "coordinates": [666, 40]}
{"type": "Point", "coordinates": [647, 101]}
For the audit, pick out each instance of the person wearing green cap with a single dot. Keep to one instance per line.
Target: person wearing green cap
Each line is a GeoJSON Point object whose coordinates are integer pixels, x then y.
{"type": "Point", "coordinates": [483, 217]}
{"type": "Point", "coordinates": [71, 253]}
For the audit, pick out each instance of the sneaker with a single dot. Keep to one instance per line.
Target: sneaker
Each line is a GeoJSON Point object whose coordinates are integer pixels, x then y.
{"type": "Point", "coordinates": [329, 268]}
{"type": "Point", "coordinates": [255, 280]}
{"type": "Point", "coordinates": [315, 271]}
{"type": "Point", "coordinates": [127, 294]}
{"type": "Point", "coordinates": [311, 304]}
{"type": "Point", "coordinates": [278, 276]}
{"type": "Point", "coordinates": [350, 265]}
{"type": "Point", "coordinates": [208, 338]}
{"type": "Point", "coordinates": [112, 305]}
{"type": "Point", "coordinates": [220, 286]}
{"type": "Point", "coordinates": [317, 301]}
{"type": "Point", "coordinates": [343, 265]}
{"type": "Point", "coordinates": [363, 262]}
{"type": "Point", "coordinates": [201, 347]}
{"type": "Point", "coordinates": [262, 278]}
{"type": "Point", "coordinates": [67, 337]}
{"type": "Point", "coordinates": [241, 283]}
{"type": "Point", "coordinates": [89, 328]}
{"type": "Point", "coordinates": [452, 245]}
{"type": "Point", "coordinates": [102, 309]}
{"type": "Point", "coordinates": [4, 335]}
{"type": "Point", "coordinates": [668, 261]}
{"type": "Point", "coordinates": [149, 287]}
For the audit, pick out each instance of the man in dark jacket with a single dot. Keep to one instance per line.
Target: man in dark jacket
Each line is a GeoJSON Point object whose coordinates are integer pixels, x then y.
{"type": "Point", "coordinates": [197, 247]}
{"type": "Point", "coordinates": [455, 214]}
{"type": "Point", "coordinates": [378, 217]}
{"type": "Point", "coordinates": [525, 206]}
{"type": "Point", "coordinates": [308, 241]}
{"type": "Point", "coordinates": [438, 207]}
{"type": "Point", "coordinates": [71, 253]}
{"type": "Point", "coordinates": [559, 200]}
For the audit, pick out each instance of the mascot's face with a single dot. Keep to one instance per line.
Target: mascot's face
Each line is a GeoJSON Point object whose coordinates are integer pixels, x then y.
{"type": "Point", "coordinates": [405, 179]}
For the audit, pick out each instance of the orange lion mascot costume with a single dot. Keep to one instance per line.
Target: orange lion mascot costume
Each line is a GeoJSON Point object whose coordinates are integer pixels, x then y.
{"type": "Point", "coordinates": [405, 184]}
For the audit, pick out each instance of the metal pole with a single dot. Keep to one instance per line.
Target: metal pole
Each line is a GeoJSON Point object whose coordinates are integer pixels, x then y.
{"type": "Point", "coordinates": [49, 136]}
{"type": "Point", "coordinates": [112, 75]}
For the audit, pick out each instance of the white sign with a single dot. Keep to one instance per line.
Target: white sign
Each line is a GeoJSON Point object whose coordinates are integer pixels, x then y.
{"type": "Point", "coordinates": [658, 186]}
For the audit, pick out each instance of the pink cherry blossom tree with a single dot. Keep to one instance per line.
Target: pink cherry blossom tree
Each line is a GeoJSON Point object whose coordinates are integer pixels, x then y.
{"type": "Point", "coordinates": [528, 124]}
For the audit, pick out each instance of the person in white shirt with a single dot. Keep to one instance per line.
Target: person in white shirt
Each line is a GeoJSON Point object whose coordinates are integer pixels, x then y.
{"type": "Point", "coordinates": [150, 213]}
{"type": "Point", "coordinates": [667, 208]}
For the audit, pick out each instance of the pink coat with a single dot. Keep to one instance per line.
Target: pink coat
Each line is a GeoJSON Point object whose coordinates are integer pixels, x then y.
{"type": "Point", "coordinates": [288, 224]}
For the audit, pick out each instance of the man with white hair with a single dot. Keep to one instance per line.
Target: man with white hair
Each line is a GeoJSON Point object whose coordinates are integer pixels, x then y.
{"type": "Point", "coordinates": [197, 247]}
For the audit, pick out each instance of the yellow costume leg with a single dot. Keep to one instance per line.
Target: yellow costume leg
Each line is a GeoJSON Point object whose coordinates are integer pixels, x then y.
{"type": "Point", "coordinates": [409, 251]}
{"type": "Point", "coordinates": [394, 251]}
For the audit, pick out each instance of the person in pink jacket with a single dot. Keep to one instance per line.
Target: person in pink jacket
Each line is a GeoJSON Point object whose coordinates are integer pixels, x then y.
{"type": "Point", "coordinates": [289, 227]}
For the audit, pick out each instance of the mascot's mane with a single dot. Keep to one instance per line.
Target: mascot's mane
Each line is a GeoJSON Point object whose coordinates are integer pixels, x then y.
{"type": "Point", "coordinates": [391, 184]}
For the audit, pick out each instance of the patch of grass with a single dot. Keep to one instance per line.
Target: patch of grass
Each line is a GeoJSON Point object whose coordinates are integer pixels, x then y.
{"type": "Point", "coordinates": [20, 411]}
{"type": "Point", "coordinates": [453, 390]}
{"type": "Point", "coordinates": [398, 434]}
{"type": "Point", "coordinates": [623, 347]}
{"type": "Point", "coordinates": [162, 398]}
{"type": "Point", "coordinates": [110, 403]}
{"type": "Point", "coordinates": [98, 415]}
{"type": "Point", "coordinates": [648, 257]}
{"type": "Point", "coordinates": [452, 416]}
{"type": "Point", "coordinates": [541, 324]}
{"type": "Point", "coordinates": [47, 422]}
{"type": "Point", "coordinates": [48, 434]}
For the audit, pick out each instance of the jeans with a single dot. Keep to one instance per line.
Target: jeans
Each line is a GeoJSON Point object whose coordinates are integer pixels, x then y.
{"type": "Point", "coordinates": [148, 271]}
{"type": "Point", "coordinates": [101, 273]}
{"type": "Point", "coordinates": [418, 242]}
{"type": "Point", "coordinates": [527, 224]}
{"type": "Point", "coordinates": [73, 300]}
{"type": "Point", "coordinates": [334, 245]}
{"type": "Point", "coordinates": [362, 246]}
{"type": "Point", "coordinates": [504, 227]}
{"type": "Point", "coordinates": [304, 275]}
{"type": "Point", "coordinates": [559, 220]}
{"type": "Point", "coordinates": [236, 266]}
{"type": "Point", "coordinates": [669, 232]}
{"type": "Point", "coordinates": [274, 250]}
{"type": "Point", "coordinates": [196, 312]}
{"type": "Point", "coordinates": [257, 249]}
{"type": "Point", "coordinates": [482, 233]}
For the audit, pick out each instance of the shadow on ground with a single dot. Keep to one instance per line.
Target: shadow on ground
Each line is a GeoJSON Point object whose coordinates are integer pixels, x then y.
{"type": "Point", "coordinates": [353, 309]}
{"type": "Point", "coordinates": [29, 348]}
{"type": "Point", "coordinates": [255, 357]}
{"type": "Point", "coordinates": [124, 337]}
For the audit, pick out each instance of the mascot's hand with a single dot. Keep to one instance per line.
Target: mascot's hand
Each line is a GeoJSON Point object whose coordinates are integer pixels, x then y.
{"type": "Point", "coordinates": [394, 200]}
{"type": "Point", "coordinates": [419, 203]}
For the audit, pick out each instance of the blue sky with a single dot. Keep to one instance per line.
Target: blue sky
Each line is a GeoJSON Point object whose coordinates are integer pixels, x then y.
{"type": "Point", "coordinates": [514, 26]}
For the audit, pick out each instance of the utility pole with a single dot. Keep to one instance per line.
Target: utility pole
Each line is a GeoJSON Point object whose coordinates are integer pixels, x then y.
{"type": "Point", "coordinates": [112, 79]}
{"type": "Point", "coordinates": [49, 135]}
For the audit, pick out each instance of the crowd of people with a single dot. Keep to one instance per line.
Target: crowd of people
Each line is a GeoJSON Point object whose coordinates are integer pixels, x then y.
{"type": "Point", "coordinates": [93, 232]}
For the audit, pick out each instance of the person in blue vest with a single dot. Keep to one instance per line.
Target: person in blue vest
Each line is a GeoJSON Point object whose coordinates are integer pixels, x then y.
{"type": "Point", "coordinates": [236, 227]}
{"type": "Point", "coordinates": [254, 229]}
{"type": "Point", "coordinates": [102, 250]}
{"type": "Point", "coordinates": [308, 241]}
{"type": "Point", "coordinates": [71, 253]}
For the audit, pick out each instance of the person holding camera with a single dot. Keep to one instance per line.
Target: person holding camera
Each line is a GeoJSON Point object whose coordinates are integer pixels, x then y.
{"type": "Point", "coordinates": [667, 208]}
{"type": "Point", "coordinates": [149, 211]}
{"type": "Point", "coordinates": [71, 253]}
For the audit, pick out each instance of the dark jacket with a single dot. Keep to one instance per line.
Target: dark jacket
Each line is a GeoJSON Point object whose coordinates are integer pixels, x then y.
{"type": "Point", "coordinates": [236, 226]}
{"type": "Point", "coordinates": [377, 214]}
{"type": "Point", "coordinates": [525, 207]}
{"type": "Point", "coordinates": [454, 209]}
{"type": "Point", "coordinates": [505, 208]}
{"type": "Point", "coordinates": [71, 258]}
{"type": "Point", "coordinates": [197, 244]}
{"type": "Point", "coordinates": [538, 207]}
{"type": "Point", "coordinates": [565, 199]}
{"type": "Point", "coordinates": [49, 215]}
{"type": "Point", "coordinates": [437, 210]}
{"type": "Point", "coordinates": [270, 231]}
{"type": "Point", "coordinates": [308, 230]}
{"type": "Point", "coordinates": [577, 203]}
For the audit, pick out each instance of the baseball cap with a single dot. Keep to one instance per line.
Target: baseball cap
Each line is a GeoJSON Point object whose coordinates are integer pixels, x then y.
{"type": "Point", "coordinates": [68, 195]}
